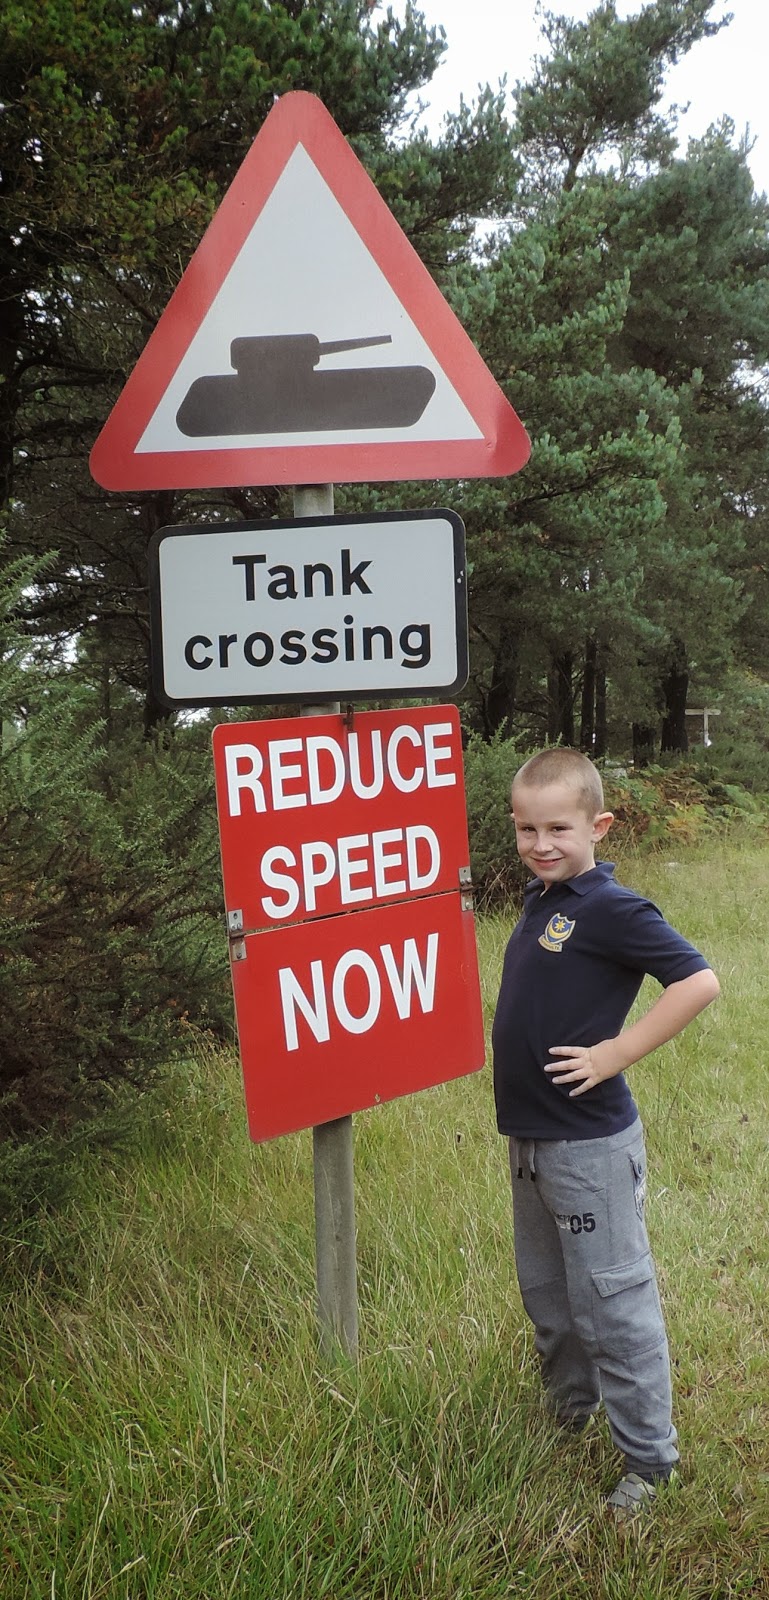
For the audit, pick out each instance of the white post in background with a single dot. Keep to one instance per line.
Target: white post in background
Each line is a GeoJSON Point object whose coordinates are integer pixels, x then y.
{"type": "Point", "coordinates": [335, 1254]}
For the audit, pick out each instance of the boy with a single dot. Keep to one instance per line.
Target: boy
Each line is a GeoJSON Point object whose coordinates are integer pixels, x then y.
{"type": "Point", "coordinates": [572, 969]}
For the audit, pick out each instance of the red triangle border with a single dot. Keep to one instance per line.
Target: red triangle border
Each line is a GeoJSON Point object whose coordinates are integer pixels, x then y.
{"type": "Point", "coordinates": [300, 118]}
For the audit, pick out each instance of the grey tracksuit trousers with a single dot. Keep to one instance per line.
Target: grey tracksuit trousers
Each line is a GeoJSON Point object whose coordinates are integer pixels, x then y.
{"type": "Point", "coordinates": [588, 1283]}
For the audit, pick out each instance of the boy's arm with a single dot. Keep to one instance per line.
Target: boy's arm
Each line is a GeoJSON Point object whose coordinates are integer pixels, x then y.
{"type": "Point", "coordinates": [670, 1014]}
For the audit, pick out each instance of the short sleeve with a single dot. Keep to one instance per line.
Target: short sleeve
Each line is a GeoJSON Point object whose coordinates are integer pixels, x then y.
{"type": "Point", "coordinates": [636, 935]}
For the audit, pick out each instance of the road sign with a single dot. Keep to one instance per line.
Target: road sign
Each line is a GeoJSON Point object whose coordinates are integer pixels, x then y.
{"type": "Point", "coordinates": [317, 608]}
{"type": "Point", "coordinates": [319, 817]}
{"type": "Point", "coordinates": [306, 342]}
{"type": "Point", "coordinates": [326, 814]}
{"type": "Point", "coordinates": [338, 1016]}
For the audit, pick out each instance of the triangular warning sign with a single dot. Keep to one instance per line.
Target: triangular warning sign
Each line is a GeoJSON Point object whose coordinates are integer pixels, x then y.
{"type": "Point", "coordinates": [306, 342]}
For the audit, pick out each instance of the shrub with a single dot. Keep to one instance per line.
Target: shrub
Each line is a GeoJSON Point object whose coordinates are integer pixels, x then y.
{"type": "Point", "coordinates": [498, 875]}
{"type": "Point", "coordinates": [675, 806]}
{"type": "Point", "coordinates": [111, 947]}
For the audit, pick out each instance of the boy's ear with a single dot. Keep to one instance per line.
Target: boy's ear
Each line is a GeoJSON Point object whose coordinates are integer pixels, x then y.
{"type": "Point", "coordinates": [602, 825]}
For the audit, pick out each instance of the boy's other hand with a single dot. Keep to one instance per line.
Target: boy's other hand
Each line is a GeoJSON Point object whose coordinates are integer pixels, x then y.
{"type": "Point", "coordinates": [585, 1066]}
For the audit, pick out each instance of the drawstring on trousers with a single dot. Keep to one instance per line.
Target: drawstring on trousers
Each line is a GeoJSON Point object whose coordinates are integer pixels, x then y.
{"type": "Point", "coordinates": [524, 1151]}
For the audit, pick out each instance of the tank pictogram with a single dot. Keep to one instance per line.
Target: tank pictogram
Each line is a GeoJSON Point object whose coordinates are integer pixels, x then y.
{"type": "Point", "coordinates": [276, 389]}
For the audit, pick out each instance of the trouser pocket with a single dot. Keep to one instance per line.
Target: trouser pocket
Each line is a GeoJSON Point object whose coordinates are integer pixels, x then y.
{"type": "Point", "coordinates": [626, 1307]}
{"type": "Point", "coordinates": [639, 1185]}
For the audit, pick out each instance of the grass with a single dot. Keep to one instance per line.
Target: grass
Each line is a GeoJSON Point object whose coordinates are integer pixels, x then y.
{"type": "Point", "coordinates": [170, 1430]}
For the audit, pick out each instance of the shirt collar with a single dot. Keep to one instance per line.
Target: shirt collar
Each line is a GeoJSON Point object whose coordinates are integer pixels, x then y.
{"type": "Point", "coordinates": [582, 884]}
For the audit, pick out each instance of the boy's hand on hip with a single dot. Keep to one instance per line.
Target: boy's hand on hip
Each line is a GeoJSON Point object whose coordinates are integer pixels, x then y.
{"type": "Point", "coordinates": [585, 1066]}
{"type": "Point", "coordinates": [677, 1005]}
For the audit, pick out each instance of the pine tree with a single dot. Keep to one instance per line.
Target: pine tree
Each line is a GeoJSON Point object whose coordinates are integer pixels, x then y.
{"type": "Point", "coordinates": [122, 126]}
{"type": "Point", "coordinates": [628, 310]}
{"type": "Point", "coordinates": [110, 896]}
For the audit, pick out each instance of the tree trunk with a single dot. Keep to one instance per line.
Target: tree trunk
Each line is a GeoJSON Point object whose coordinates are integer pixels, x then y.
{"type": "Point", "coordinates": [157, 718]}
{"type": "Point", "coordinates": [156, 512]}
{"type": "Point", "coordinates": [11, 338]}
{"type": "Point", "coordinates": [675, 688]}
{"type": "Point", "coordinates": [499, 706]}
{"type": "Point", "coordinates": [600, 705]}
{"type": "Point", "coordinates": [560, 693]}
{"type": "Point", "coordinates": [644, 743]}
{"type": "Point", "coordinates": [588, 707]}
{"type": "Point", "coordinates": [105, 687]}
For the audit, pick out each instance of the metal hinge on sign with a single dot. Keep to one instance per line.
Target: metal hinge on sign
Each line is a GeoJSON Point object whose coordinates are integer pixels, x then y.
{"type": "Point", "coordinates": [234, 929]}
{"type": "Point", "coordinates": [466, 884]}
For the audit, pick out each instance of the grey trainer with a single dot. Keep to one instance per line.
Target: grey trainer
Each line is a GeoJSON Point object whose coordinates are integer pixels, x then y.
{"type": "Point", "coordinates": [631, 1496]}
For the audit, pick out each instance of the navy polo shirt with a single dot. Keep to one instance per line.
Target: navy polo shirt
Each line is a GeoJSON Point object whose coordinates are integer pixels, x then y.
{"type": "Point", "coordinates": [573, 967]}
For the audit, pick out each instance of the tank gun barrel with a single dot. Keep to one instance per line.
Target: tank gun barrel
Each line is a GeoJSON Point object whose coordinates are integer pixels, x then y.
{"type": "Point", "coordinates": [332, 347]}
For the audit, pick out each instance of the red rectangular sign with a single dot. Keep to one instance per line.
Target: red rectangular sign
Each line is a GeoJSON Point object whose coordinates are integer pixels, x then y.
{"type": "Point", "coordinates": [364, 817]}
{"type": "Point", "coordinates": [319, 815]}
{"type": "Point", "coordinates": [340, 1015]}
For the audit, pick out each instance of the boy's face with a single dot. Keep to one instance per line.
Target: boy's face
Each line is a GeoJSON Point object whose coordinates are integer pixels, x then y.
{"type": "Point", "coordinates": [556, 837]}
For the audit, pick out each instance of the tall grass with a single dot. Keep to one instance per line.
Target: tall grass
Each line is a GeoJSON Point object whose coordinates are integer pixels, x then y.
{"type": "Point", "coordinates": [170, 1430]}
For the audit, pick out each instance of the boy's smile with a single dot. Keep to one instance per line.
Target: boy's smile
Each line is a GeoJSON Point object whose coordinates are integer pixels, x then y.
{"type": "Point", "coordinates": [555, 835]}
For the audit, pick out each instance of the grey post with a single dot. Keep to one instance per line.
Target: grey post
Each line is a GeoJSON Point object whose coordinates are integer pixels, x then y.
{"type": "Point", "coordinates": [335, 1255]}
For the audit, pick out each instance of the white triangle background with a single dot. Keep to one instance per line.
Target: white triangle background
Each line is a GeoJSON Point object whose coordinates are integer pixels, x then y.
{"type": "Point", "coordinates": [305, 269]}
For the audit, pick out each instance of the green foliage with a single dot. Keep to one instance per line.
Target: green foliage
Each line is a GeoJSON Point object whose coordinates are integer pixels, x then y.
{"type": "Point", "coordinates": [108, 898]}
{"type": "Point", "coordinates": [597, 90]}
{"type": "Point", "coordinates": [626, 312]}
{"type": "Point", "coordinates": [110, 949]}
{"type": "Point", "coordinates": [670, 808]}
{"type": "Point", "coordinates": [677, 806]}
{"type": "Point", "coordinates": [739, 752]}
{"type": "Point", "coordinates": [439, 190]}
{"type": "Point", "coordinates": [622, 303]}
{"type": "Point", "coordinates": [121, 127]}
{"type": "Point", "coordinates": [490, 765]}
{"type": "Point", "coordinates": [123, 122]}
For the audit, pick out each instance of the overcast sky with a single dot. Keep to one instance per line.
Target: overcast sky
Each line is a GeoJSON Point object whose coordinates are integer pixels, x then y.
{"type": "Point", "coordinates": [724, 76]}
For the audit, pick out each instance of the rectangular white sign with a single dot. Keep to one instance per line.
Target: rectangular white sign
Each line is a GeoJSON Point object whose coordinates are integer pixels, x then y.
{"type": "Point", "coordinates": [314, 609]}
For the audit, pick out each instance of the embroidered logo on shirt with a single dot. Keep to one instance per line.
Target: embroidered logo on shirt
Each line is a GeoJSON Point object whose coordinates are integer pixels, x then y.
{"type": "Point", "coordinates": [558, 930]}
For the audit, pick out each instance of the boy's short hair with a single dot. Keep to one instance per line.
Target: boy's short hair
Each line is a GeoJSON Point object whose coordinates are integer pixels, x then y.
{"type": "Point", "coordinates": [563, 765]}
